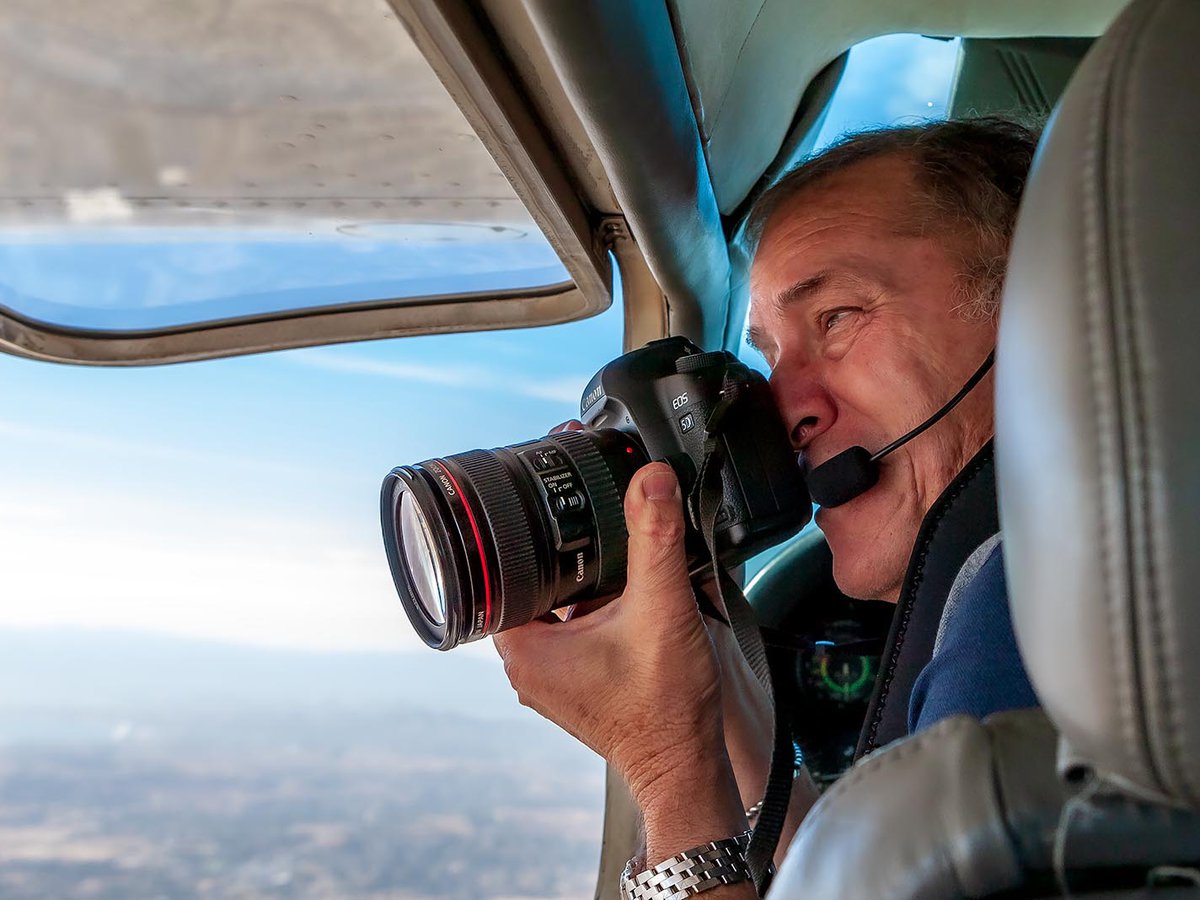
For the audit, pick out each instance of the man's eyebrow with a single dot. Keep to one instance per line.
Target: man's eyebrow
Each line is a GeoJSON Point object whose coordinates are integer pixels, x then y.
{"type": "Point", "coordinates": [754, 338]}
{"type": "Point", "coordinates": [801, 290]}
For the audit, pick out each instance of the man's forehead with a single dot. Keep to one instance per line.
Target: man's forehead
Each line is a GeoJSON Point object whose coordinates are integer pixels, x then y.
{"type": "Point", "coordinates": [806, 233]}
{"type": "Point", "coordinates": [882, 189]}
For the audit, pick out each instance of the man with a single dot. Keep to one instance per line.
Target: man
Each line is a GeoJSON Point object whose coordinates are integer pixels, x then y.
{"type": "Point", "coordinates": [873, 292]}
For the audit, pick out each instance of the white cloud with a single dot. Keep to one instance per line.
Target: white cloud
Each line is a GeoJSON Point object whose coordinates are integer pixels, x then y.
{"type": "Point", "coordinates": [80, 558]}
{"type": "Point", "coordinates": [88, 207]}
{"type": "Point", "coordinates": [172, 176]}
{"type": "Point", "coordinates": [89, 560]}
{"type": "Point", "coordinates": [85, 441]}
{"type": "Point", "coordinates": [561, 389]}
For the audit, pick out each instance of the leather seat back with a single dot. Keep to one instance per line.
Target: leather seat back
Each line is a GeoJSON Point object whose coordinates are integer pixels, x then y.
{"type": "Point", "coordinates": [1098, 408]}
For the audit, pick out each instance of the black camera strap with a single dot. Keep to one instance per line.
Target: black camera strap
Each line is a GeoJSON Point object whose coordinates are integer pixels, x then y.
{"type": "Point", "coordinates": [704, 506]}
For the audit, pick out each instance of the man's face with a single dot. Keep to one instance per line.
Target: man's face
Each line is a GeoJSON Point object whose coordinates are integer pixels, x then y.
{"type": "Point", "coordinates": [856, 312]}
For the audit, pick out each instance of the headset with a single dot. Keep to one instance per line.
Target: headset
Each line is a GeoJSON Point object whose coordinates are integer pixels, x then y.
{"type": "Point", "coordinates": [855, 471]}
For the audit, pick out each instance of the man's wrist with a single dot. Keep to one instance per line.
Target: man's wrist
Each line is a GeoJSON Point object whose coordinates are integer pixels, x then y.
{"type": "Point", "coordinates": [693, 803]}
{"type": "Point", "coordinates": [703, 868]}
{"type": "Point", "coordinates": [653, 770]}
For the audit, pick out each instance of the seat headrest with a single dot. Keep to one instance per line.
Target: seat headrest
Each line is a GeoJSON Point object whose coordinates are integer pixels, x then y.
{"type": "Point", "coordinates": [1098, 407]}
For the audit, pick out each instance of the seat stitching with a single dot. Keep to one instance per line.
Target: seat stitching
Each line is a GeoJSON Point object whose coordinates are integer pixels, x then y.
{"type": "Point", "coordinates": [1091, 186]}
{"type": "Point", "coordinates": [1145, 669]}
{"type": "Point", "coordinates": [896, 753]}
{"type": "Point", "coordinates": [1176, 690]}
{"type": "Point", "coordinates": [1140, 376]}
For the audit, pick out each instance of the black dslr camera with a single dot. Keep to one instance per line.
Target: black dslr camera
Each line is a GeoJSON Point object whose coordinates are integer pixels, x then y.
{"type": "Point", "coordinates": [486, 540]}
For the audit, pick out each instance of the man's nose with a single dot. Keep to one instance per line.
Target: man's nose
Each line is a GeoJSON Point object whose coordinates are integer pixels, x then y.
{"type": "Point", "coordinates": [804, 403]}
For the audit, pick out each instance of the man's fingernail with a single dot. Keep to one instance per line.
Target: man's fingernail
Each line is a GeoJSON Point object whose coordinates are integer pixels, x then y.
{"type": "Point", "coordinates": [660, 485]}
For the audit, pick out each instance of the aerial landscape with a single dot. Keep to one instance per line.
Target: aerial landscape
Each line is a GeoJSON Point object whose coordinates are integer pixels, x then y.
{"type": "Point", "coordinates": [303, 786]}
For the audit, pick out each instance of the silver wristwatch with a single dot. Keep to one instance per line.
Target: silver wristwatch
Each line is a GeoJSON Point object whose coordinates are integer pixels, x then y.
{"type": "Point", "coordinates": [690, 872]}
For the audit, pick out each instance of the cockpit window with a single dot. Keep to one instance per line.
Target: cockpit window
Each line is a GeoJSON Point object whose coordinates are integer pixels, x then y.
{"type": "Point", "coordinates": [897, 79]}
{"type": "Point", "coordinates": [238, 159]}
{"type": "Point", "coordinates": [207, 683]}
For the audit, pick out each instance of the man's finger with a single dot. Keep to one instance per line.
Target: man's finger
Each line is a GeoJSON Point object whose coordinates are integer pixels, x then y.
{"type": "Point", "coordinates": [527, 651]}
{"type": "Point", "coordinates": [658, 573]}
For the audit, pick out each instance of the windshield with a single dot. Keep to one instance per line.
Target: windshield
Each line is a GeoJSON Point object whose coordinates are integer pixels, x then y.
{"type": "Point", "coordinates": [207, 684]}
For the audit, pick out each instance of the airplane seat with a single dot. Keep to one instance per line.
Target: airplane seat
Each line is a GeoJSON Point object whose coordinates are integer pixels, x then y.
{"type": "Point", "coordinates": [1098, 471]}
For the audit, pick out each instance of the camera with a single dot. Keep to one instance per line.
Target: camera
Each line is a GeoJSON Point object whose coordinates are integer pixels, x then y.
{"type": "Point", "coordinates": [486, 540]}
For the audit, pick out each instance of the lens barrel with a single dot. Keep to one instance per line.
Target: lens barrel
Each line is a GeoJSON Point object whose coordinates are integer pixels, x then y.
{"type": "Point", "coordinates": [487, 540]}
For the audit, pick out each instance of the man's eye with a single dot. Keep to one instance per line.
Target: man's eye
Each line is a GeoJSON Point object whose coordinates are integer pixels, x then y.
{"type": "Point", "coordinates": [834, 316]}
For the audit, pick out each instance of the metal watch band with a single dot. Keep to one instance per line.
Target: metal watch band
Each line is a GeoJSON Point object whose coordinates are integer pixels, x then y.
{"type": "Point", "coordinates": [690, 872]}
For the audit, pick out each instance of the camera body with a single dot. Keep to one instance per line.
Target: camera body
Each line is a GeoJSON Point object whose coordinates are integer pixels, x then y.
{"type": "Point", "coordinates": [486, 540]}
{"type": "Point", "coordinates": [664, 394]}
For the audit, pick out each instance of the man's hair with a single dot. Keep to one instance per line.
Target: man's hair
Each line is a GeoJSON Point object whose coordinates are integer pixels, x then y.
{"type": "Point", "coordinates": [970, 172]}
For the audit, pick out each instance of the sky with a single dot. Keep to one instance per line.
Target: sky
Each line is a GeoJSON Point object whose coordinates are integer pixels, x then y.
{"type": "Point", "coordinates": [237, 499]}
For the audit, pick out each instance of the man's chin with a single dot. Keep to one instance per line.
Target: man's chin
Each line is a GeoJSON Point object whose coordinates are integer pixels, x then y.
{"type": "Point", "coordinates": [853, 535]}
{"type": "Point", "coordinates": [835, 517]}
{"type": "Point", "coordinates": [838, 528]}
{"type": "Point", "coordinates": [849, 535]}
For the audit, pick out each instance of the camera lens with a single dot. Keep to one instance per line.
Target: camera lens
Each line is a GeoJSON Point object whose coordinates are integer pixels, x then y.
{"type": "Point", "coordinates": [421, 561]}
{"type": "Point", "coordinates": [487, 540]}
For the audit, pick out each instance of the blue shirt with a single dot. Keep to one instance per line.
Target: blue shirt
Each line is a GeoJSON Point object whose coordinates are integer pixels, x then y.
{"type": "Point", "coordinates": [976, 668]}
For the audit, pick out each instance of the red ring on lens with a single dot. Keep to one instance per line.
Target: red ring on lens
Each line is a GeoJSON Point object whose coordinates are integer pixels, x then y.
{"type": "Point", "coordinates": [487, 584]}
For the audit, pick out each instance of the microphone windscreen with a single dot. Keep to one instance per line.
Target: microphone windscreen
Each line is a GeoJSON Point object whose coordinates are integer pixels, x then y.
{"type": "Point", "coordinates": [842, 478]}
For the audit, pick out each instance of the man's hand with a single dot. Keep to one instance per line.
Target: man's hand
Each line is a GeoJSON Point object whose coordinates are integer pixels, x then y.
{"type": "Point", "coordinates": [747, 712]}
{"type": "Point", "coordinates": [749, 730]}
{"type": "Point", "coordinates": [638, 680]}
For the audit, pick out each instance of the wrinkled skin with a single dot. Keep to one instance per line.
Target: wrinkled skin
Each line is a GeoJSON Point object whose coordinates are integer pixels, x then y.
{"type": "Point", "coordinates": [868, 346]}
{"type": "Point", "coordinates": [638, 679]}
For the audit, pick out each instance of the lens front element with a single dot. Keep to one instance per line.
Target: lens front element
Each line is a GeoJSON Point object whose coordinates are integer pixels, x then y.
{"type": "Point", "coordinates": [420, 560]}
{"type": "Point", "coordinates": [487, 540]}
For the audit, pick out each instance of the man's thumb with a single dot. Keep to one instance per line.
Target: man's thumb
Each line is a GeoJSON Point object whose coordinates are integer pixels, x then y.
{"type": "Point", "coordinates": [657, 560]}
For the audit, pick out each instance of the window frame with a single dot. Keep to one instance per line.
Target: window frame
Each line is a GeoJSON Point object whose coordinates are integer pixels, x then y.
{"type": "Point", "coordinates": [472, 69]}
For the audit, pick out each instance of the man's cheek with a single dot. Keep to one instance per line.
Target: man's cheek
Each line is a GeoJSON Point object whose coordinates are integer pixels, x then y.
{"type": "Point", "coordinates": [866, 404]}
